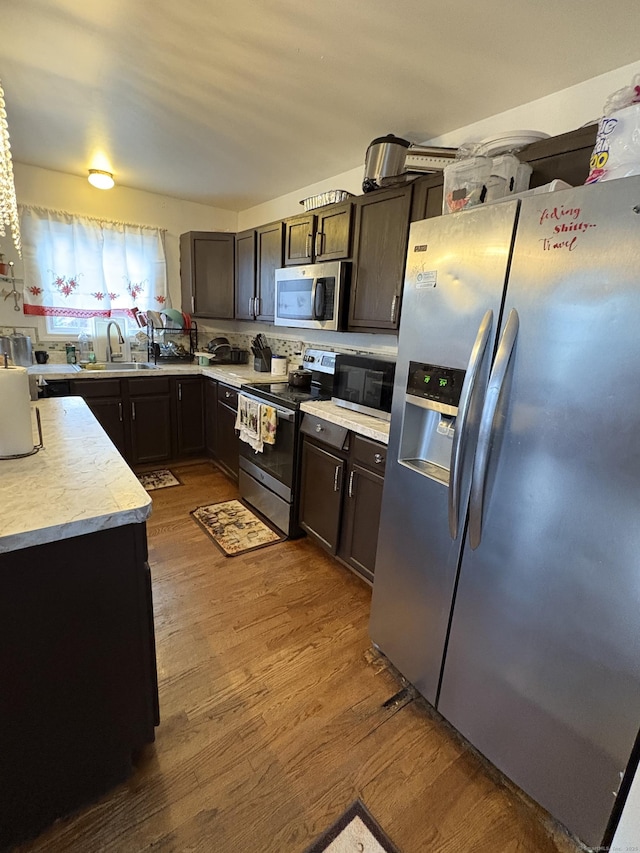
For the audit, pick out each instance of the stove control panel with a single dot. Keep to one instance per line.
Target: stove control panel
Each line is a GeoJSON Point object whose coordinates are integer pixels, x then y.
{"type": "Point", "coordinates": [323, 361]}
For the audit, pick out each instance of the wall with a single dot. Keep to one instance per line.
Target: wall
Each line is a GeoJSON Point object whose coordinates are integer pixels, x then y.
{"type": "Point", "coordinates": [58, 191]}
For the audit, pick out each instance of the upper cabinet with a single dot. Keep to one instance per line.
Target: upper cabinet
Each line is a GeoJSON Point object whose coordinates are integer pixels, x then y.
{"type": "Point", "coordinates": [324, 235]}
{"type": "Point", "coordinates": [269, 258]}
{"type": "Point", "coordinates": [207, 274]}
{"type": "Point", "coordinates": [246, 275]}
{"type": "Point", "coordinates": [380, 247]}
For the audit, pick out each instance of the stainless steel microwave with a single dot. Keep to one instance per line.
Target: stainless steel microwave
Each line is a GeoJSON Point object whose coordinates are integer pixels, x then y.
{"type": "Point", "coordinates": [312, 296]}
{"type": "Point", "coordinates": [364, 383]}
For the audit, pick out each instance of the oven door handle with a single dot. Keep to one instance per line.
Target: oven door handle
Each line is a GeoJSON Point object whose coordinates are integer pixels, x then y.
{"type": "Point", "coordinates": [283, 414]}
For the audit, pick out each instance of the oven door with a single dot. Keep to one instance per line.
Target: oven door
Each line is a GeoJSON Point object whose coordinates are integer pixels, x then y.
{"type": "Point", "coordinates": [277, 460]}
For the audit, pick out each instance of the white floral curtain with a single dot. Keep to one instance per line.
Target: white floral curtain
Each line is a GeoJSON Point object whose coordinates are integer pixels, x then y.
{"type": "Point", "coordinates": [75, 266]}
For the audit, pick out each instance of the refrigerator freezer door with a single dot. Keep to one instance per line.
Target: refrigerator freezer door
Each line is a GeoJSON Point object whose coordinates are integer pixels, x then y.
{"type": "Point", "coordinates": [446, 298]}
{"type": "Point", "coordinates": [542, 672]}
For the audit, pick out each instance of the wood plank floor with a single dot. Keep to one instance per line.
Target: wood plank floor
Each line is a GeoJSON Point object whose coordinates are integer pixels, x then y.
{"type": "Point", "coordinates": [275, 715]}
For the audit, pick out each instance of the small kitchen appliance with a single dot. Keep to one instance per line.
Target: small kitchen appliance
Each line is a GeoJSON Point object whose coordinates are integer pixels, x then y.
{"type": "Point", "coordinates": [364, 383]}
{"type": "Point", "coordinates": [312, 296]}
{"type": "Point", "coordinates": [391, 160]}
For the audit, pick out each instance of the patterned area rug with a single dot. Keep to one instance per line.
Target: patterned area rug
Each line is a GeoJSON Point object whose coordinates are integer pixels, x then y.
{"type": "Point", "coordinates": [356, 831]}
{"type": "Point", "coordinates": [234, 528]}
{"type": "Point", "coordinates": [161, 479]}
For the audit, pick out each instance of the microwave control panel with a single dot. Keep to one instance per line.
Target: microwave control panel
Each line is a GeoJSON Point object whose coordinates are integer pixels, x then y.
{"type": "Point", "coordinates": [434, 382]}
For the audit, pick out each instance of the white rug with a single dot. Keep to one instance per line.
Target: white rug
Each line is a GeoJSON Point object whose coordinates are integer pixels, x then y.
{"type": "Point", "coordinates": [356, 831]}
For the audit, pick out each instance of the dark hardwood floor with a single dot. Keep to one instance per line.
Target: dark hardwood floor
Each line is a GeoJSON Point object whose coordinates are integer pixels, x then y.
{"type": "Point", "coordinates": [275, 715]}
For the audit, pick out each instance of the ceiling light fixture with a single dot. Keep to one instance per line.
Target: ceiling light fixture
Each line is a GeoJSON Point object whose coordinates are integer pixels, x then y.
{"type": "Point", "coordinates": [100, 179]}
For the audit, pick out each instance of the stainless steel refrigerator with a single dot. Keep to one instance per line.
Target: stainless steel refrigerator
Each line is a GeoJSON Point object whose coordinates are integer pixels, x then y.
{"type": "Point", "coordinates": [507, 582]}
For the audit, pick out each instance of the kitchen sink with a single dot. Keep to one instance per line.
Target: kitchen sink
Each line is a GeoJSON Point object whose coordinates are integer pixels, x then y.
{"type": "Point", "coordinates": [122, 365]}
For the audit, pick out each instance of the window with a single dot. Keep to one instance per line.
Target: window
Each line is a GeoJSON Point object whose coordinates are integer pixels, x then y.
{"type": "Point", "coordinates": [77, 268]}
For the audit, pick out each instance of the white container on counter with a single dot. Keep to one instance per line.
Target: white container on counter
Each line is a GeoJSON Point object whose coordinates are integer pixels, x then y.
{"type": "Point", "coordinates": [279, 365]}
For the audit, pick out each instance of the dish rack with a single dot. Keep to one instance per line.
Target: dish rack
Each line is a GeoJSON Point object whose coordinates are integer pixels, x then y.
{"type": "Point", "coordinates": [172, 346]}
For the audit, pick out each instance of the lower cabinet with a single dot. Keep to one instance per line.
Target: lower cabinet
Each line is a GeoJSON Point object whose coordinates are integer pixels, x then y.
{"type": "Point", "coordinates": [341, 492]}
{"type": "Point", "coordinates": [227, 442]}
{"type": "Point", "coordinates": [149, 419]}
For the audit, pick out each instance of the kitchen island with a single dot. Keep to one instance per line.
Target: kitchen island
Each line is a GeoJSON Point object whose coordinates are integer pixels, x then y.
{"type": "Point", "coordinates": [77, 651]}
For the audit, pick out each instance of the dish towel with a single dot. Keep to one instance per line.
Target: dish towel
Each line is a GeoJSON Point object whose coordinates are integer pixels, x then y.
{"type": "Point", "coordinates": [248, 421]}
{"type": "Point", "coordinates": [268, 424]}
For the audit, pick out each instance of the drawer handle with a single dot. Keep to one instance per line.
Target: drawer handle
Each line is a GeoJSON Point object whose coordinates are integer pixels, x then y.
{"type": "Point", "coordinates": [378, 458]}
{"type": "Point", "coordinates": [336, 477]}
{"type": "Point", "coordinates": [319, 428]}
{"type": "Point", "coordinates": [227, 394]}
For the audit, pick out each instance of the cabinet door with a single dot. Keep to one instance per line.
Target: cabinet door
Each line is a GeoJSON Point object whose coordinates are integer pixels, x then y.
{"type": "Point", "coordinates": [110, 414]}
{"type": "Point", "coordinates": [245, 275]}
{"type": "Point", "coordinates": [298, 239]}
{"type": "Point", "coordinates": [321, 494]}
{"type": "Point", "coordinates": [207, 274]}
{"type": "Point", "coordinates": [189, 415]}
{"type": "Point", "coordinates": [228, 443]}
{"type": "Point", "coordinates": [333, 232]}
{"type": "Point", "coordinates": [381, 231]}
{"type": "Point", "coordinates": [269, 258]}
{"type": "Point", "coordinates": [427, 197]}
{"type": "Point", "coordinates": [362, 519]}
{"type": "Point", "coordinates": [151, 428]}
{"type": "Point", "coordinates": [210, 412]}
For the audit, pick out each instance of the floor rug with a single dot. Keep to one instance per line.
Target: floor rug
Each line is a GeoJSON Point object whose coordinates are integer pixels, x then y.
{"type": "Point", "coordinates": [234, 528]}
{"type": "Point", "coordinates": [161, 479]}
{"type": "Point", "coordinates": [355, 832]}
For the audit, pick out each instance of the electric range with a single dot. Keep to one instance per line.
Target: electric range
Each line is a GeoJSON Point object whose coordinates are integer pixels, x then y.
{"type": "Point", "coordinates": [269, 479]}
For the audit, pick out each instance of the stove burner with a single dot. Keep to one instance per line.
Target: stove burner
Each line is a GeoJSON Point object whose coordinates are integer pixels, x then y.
{"type": "Point", "coordinates": [285, 394]}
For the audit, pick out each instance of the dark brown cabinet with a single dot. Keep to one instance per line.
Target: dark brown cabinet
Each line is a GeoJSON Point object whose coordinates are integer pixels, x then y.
{"type": "Point", "coordinates": [151, 420]}
{"type": "Point", "coordinates": [207, 274]}
{"type": "Point", "coordinates": [210, 415]}
{"type": "Point", "coordinates": [362, 505]}
{"type": "Point", "coordinates": [269, 258]}
{"type": "Point", "coordinates": [380, 247]}
{"type": "Point", "coordinates": [227, 441]}
{"type": "Point", "coordinates": [104, 398]}
{"type": "Point", "coordinates": [324, 235]}
{"type": "Point", "coordinates": [246, 275]}
{"type": "Point", "coordinates": [321, 494]}
{"type": "Point", "coordinates": [189, 400]}
{"type": "Point", "coordinates": [341, 492]}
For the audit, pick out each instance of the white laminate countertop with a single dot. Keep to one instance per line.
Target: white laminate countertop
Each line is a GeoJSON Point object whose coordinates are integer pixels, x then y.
{"type": "Point", "coordinates": [77, 483]}
{"type": "Point", "coordinates": [366, 425]}
{"type": "Point", "coordinates": [232, 374]}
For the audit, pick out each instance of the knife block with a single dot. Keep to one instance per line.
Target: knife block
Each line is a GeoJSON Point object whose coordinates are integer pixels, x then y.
{"type": "Point", "coordinates": [262, 364]}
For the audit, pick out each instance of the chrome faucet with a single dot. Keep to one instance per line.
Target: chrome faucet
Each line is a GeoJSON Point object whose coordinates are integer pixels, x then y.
{"type": "Point", "coordinates": [120, 338]}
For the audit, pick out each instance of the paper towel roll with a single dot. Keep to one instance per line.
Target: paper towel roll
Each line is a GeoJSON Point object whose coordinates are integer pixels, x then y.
{"type": "Point", "coordinates": [16, 435]}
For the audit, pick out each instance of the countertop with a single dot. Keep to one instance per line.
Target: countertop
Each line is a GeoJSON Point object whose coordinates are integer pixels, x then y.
{"type": "Point", "coordinates": [365, 425]}
{"type": "Point", "coordinates": [77, 483]}
{"type": "Point", "coordinates": [232, 374]}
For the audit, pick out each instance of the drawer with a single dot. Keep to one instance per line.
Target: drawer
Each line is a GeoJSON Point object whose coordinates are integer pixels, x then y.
{"type": "Point", "coordinates": [149, 385]}
{"type": "Point", "coordinates": [228, 396]}
{"type": "Point", "coordinates": [370, 453]}
{"type": "Point", "coordinates": [324, 431]}
{"type": "Point", "coordinates": [96, 387]}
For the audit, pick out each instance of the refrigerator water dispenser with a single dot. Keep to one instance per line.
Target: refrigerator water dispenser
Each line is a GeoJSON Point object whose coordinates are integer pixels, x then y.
{"type": "Point", "coordinates": [428, 425]}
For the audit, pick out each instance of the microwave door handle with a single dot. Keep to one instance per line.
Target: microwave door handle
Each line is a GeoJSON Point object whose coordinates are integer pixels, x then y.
{"type": "Point", "coordinates": [314, 289]}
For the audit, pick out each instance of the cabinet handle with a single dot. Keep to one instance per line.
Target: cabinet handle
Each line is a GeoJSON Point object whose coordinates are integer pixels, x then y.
{"type": "Point", "coordinates": [336, 478]}
{"type": "Point", "coordinates": [319, 236]}
{"type": "Point", "coordinates": [378, 458]}
{"type": "Point", "coordinates": [319, 427]}
{"type": "Point", "coordinates": [393, 307]}
{"type": "Point", "coordinates": [307, 247]}
{"type": "Point", "coordinates": [251, 306]}
{"type": "Point", "coordinates": [180, 391]}
{"type": "Point", "coordinates": [227, 394]}
{"type": "Point", "coordinates": [351, 483]}
{"type": "Point", "coordinates": [193, 305]}
{"type": "Point", "coordinates": [133, 411]}
{"type": "Point", "coordinates": [120, 411]}
{"type": "Point", "coordinates": [256, 306]}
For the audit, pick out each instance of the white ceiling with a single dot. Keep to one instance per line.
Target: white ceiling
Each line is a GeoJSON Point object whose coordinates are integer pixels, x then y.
{"type": "Point", "coordinates": [234, 103]}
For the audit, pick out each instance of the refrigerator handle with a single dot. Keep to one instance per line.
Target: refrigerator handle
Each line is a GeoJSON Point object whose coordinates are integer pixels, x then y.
{"type": "Point", "coordinates": [485, 435]}
{"type": "Point", "coordinates": [460, 433]}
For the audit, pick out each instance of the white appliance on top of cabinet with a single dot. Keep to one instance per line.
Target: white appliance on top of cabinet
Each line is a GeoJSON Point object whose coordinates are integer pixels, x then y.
{"type": "Point", "coordinates": [507, 582]}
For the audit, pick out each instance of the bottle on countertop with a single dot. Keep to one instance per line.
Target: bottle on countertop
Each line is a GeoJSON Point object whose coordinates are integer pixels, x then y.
{"type": "Point", "coordinates": [84, 345]}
